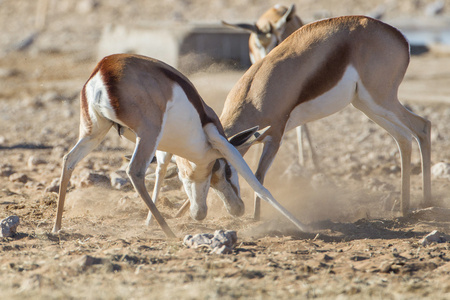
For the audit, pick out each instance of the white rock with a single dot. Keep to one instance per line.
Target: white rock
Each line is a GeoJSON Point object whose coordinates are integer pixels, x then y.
{"type": "Point", "coordinates": [33, 161]}
{"type": "Point", "coordinates": [441, 170]}
{"type": "Point", "coordinates": [222, 242]}
{"type": "Point", "coordinates": [9, 226]}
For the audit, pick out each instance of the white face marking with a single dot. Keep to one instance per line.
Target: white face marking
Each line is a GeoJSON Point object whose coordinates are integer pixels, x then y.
{"type": "Point", "coordinates": [263, 51]}
{"type": "Point", "coordinates": [226, 186]}
{"type": "Point", "coordinates": [326, 104]}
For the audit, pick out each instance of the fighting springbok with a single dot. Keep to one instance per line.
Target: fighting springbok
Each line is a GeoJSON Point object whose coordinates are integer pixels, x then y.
{"type": "Point", "coordinates": [319, 70]}
{"type": "Point", "coordinates": [273, 27]}
{"type": "Point", "coordinates": [155, 106]}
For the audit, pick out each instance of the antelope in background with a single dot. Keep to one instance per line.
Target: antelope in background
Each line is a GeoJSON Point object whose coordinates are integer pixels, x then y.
{"type": "Point", "coordinates": [156, 107]}
{"type": "Point", "coordinates": [319, 70]}
{"type": "Point", "coordinates": [273, 27]}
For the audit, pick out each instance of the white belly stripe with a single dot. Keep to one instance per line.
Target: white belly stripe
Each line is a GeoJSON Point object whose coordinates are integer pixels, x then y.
{"type": "Point", "coordinates": [183, 133]}
{"type": "Point", "coordinates": [326, 104]}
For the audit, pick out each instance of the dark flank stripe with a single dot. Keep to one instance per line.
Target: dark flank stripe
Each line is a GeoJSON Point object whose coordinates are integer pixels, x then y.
{"type": "Point", "coordinates": [327, 75]}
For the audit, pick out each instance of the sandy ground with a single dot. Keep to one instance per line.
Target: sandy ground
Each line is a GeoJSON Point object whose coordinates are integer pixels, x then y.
{"type": "Point", "coordinates": [359, 248]}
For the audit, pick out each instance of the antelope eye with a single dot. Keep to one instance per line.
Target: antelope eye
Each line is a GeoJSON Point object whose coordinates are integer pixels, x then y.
{"type": "Point", "coordinates": [227, 172]}
{"type": "Point", "coordinates": [216, 166]}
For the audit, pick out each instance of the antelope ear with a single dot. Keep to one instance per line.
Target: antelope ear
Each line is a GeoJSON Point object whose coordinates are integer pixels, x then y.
{"type": "Point", "coordinates": [247, 137]}
{"type": "Point", "coordinates": [287, 16]}
{"type": "Point", "coordinates": [247, 27]}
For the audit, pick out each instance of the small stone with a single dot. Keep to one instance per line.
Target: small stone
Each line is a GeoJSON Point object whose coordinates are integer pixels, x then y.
{"type": "Point", "coordinates": [120, 180]}
{"type": "Point", "coordinates": [9, 226]}
{"type": "Point", "coordinates": [50, 97]}
{"type": "Point", "coordinates": [385, 267]}
{"type": "Point", "coordinates": [435, 8]}
{"type": "Point", "coordinates": [5, 73]}
{"type": "Point", "coordinates": [87, 261]}
{"type": "Point", "coordinates": [34, 161]}
{"type": "Point", "coordinates": [327, 258]}
{"type": "Point", "coordinates": [433, 237]}
{"type": "Point", "coordinates": [53, 187]}
{"type": "Point", "coordinates": [19, 177]}
{"type": "Point", "coordinates": [6, 170]}
{"type": "Point", "coordinates": [86, 6]}
{"type": "Point", "coordinates": [90, 178]}
{"type": "Point", "coordinates": [441, 170]}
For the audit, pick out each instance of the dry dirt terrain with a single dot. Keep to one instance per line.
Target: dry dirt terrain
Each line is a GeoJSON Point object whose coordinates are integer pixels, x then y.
{"type": "Point", "coordinates": [359, 248]}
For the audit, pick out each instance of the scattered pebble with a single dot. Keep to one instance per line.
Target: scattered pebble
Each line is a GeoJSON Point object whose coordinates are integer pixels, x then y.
{"type": "Point", "coordinates": [435, 8]}
{"type": "Point", "coordinates": [49, 97]}
{"type": "Point", "coordinates": [120, 180]}
{"type": "Point", "coordinates": [87, 261]}
{"type": "Point", "coordinates": [19, 177]}
{"type": "Point", "coordinates": [86, 6]}
{"type": "Point", "coordinates": [221, 242]}
{"type": "Point", "coordinates": [90, 178]}
{"type": "Point", "coordinates": [6, 170]}
{"type": "Point", "coordinates": [441, 170]}
{"type": "Point", "coordinates": [5, 73]}
{"type": "Point", "coordinates": [53, 187]}
{"type": "Point", "coordinates": [9, 226]}
{"type": "Point", "coordinates": [34, 161]}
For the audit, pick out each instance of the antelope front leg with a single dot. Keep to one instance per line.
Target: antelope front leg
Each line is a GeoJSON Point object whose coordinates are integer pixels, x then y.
{"type": "Point", "coordinates": [142, 156]}
{"type": "Point", "coordinates": [163, 160]}
{"type": "Point", "coordinates": [304, 130]}
{"type": "Point", "coordinates": [269, 151]}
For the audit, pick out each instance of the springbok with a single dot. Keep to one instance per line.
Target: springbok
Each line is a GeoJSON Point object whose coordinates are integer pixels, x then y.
{"type": "Point", "coordinates": [155, 106]}
{"type": "Point", "coordinates": [319, 70]}
{"type": "Point", "coordinates": [273, 27]}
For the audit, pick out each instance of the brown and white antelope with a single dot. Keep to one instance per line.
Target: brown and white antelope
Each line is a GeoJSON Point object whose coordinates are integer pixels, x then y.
{"type": "Point", "coordinates": [155, 106]}
{"type": "Point", "coordinates": [317, 71]}
{"type": "Point", "coordinates": [273, 27]}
